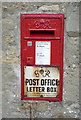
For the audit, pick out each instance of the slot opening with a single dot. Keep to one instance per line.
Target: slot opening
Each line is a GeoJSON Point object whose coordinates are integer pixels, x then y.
{"type": "Point", "coordinates": [42, 33]}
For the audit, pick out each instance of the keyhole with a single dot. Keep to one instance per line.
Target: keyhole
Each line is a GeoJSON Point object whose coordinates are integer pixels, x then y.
{"type": "Point", "coordinates": [28, 59]}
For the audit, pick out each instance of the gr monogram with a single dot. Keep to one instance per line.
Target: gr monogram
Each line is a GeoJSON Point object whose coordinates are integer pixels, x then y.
{"type": "Point", "coordinates": [43, 23]}
{"type": "Point", "coordinates": [42, 72]}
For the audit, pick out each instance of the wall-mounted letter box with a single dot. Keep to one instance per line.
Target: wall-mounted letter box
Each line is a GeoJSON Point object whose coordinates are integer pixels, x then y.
{"type": "Point", "coordinates": [42, 40]}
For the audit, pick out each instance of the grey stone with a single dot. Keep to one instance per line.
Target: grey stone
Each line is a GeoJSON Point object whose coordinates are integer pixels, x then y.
{"type": "Point", "coordinates": [72, 22]}
{"type": "Point", "coordinates": [8, 24]}
{"type": "Point", "coordinates": [49, 8]}
{"type": "Point", "coordinates": [72, 33]}
{"type": "Point", "coordinates": [42, 106]}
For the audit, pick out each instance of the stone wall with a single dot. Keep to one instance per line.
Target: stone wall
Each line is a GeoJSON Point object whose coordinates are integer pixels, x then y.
{"type": "Point", "coordinates": [12, 105]}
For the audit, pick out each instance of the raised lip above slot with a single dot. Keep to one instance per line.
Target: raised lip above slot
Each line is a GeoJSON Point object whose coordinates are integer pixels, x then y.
{"type": "Point", "coordinates": [30, 38]}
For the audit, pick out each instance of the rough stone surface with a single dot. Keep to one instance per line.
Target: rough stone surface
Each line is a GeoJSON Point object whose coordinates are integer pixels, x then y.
{"type": "Point", "coordinates": [49, 8]}
{"type": "Point", "coordinates": [72, 24]}
{"type": "Point", "coordinates": [0, 61]}
{"type": "Point", "coordinates": [13, 106]}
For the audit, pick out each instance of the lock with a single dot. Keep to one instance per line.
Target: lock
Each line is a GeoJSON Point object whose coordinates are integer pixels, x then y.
{"type": "Point", "coordinates": [42, 48]}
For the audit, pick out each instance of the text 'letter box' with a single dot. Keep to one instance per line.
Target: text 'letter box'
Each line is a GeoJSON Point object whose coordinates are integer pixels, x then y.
{"type": "Point", "coordinates": [42, 40]}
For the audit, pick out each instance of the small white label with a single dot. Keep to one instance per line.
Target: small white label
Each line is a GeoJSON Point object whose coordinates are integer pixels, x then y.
{"type": "Point", "coordinates": [29, 43]}
{"type": "Point", "coordinates": [42, 53]}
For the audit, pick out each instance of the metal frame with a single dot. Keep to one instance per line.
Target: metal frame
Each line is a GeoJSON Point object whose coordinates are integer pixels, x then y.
{"type": "Point", "coordinates": [23, 17]}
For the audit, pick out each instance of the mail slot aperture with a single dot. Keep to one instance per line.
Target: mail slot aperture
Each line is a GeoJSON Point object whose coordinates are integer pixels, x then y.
{"type": "Point", "coordinates": [42, 33]}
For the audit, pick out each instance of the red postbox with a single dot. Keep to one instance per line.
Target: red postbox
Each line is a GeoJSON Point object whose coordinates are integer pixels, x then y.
{"type": "Point", "coordinates": [42, 40]}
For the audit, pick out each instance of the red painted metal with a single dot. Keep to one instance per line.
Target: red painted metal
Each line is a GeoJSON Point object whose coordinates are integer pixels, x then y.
{"type": "Point", "coordinates": [31, 29]}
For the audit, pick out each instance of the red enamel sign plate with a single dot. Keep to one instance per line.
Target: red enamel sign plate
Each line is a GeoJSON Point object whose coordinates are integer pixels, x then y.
{"type": "Point", "coordinates": [42, 41]}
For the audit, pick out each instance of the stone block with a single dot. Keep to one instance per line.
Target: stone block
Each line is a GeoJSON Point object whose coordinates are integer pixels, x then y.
{"type": "Point", "coordinates": [49, 8]}
{"type": "Point", "coordinates": [72, 21]}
